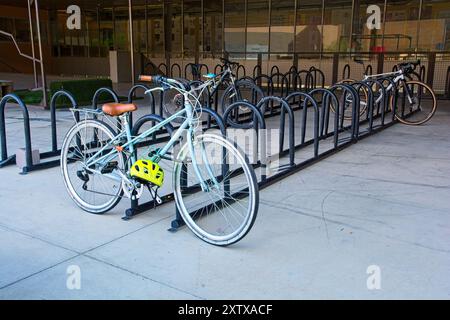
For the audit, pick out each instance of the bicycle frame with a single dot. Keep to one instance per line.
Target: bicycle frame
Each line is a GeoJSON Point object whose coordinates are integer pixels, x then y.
{"type": "Point", "coordinates": [187, 112]}
{"type": "Point", "coordinates": [399, 76]}
{"type": "Point", "coordinates": [215, 84]}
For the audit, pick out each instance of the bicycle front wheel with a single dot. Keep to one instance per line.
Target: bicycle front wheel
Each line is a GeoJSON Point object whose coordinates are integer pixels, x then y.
{"type": "Point", "coordinates": [415, 103]}
{"type": "Point", "coordinates": [224, 212]}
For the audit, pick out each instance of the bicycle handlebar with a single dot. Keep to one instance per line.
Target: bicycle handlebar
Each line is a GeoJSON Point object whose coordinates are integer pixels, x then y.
{"type": "Point", "coordinates": [165, 83]}
{"type": "Point", "coordinates": [145, 78]}
{"type": "Point", "coordinates": [409, 66]}
{"type": "Point", "coordinates": [228, 62]}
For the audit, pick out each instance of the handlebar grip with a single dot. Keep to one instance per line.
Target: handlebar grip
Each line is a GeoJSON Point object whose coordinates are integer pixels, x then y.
{"type": "Point", "coordinates": [145, 78]}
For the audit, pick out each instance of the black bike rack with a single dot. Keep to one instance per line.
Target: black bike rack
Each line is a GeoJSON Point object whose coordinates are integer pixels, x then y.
{"type": "Point", "coordinates": [447, 84]}
{"type": "Point", "coordinates": [166, 69]}
{"type": "Point", "coordinates": [54, 151]}
{"type": "Point", "coordinates": [313, 101]}
{"type": "Point", "coordinates": [132, 97]}
{"type": "Point", "coordinates": [264, 81]}
{"type": "Point", "coordinates": [257, 71]}
{"type": "Point", "coordinates": [172, 69]}
{"type": "Point", "coordinates": [346, 72]}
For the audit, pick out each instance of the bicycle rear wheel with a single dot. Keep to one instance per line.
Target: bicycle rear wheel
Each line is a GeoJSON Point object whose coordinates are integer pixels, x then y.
{"type": "Point", "coordinates": [347, 100]}
{"type": "Point", "coordinates": [416, 105]}
{"type": "Point", "coordinates": [243, 90]}
{"type": "Point", "coordinates": [91, 190]}
{"type": "Point", "coordinates": [226, 212]}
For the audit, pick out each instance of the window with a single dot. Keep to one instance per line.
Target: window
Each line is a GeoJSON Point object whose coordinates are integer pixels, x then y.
{"type": "Point", "coordinates": [235, 27]}
{"type": "Point", "coordinates": [282, 26]}
{"type": "Point", "coordinates": [155, 31]}
{"type": "Point", "coordinates": [93, 41]}
{"type": "Point", "coordinates": [401, 25]}
{"type": "Point", "coordinates": [258, 25]}
{"type": "Point", "coordinates": [337, 25]}
{"type": "Point", "coordinates": [139, 29]}
{"type": "Point", "coordinates": [174, 9]}
{"type": "Point", "coordinates": [106, 31]}
{"type": "Point", "coordinates": [192, 27]}
{"type": "Point", "coordinates": [435, 26]}
{"type": "Point", "coordinates": [308, 34]}
{"type": "Point", "coordinates": [7, 25]}
{"type": "Point", "coordinates": [22, 31]}
{"type": "Point", "coordinates": [213, 28]}
{"type": "Point", "coordinates": [364, 39]}
{"type": "Point", "coordinates": [121, 24]}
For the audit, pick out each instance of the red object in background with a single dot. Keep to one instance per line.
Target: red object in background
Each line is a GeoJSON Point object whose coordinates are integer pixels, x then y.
{"type": "Point", "coordinates": [378, 49]}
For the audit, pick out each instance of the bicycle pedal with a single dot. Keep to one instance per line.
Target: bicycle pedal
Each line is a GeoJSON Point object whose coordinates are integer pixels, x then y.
{"type": "Point", "coordinates": [109, 167]}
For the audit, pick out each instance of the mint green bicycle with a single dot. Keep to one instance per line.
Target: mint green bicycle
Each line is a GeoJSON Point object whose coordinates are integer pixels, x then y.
{"type": "Point", "coordinates": [214, 186]}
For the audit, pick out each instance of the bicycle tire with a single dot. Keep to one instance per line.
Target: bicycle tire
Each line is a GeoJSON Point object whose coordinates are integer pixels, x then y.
{"type": "Point", "coordinates": [194, 221]}
{"type": "Point", "coordinates": [97, 126]}
{"type": "Point", "coordinates": [361, 111]}
{"type": "Point", "coordinates": [405, 119]}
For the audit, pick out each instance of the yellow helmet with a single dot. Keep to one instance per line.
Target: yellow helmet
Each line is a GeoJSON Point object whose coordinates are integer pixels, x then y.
{"type": "Point", "coordinates": [148, 171]}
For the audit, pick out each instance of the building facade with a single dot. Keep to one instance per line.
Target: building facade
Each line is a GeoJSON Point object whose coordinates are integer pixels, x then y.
{"type": "Point", "coordinates": [193, 30]}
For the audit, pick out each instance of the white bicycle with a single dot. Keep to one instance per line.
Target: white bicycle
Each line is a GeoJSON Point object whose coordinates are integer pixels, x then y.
{"type": "Point", "coordinates": [215, 187]}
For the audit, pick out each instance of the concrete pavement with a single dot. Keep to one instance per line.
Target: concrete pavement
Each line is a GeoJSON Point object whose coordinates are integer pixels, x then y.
{"type": "Point", "coordinates": [382, 203]}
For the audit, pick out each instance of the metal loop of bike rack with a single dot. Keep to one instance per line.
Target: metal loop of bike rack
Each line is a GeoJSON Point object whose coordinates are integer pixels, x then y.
{"type": "Point", "coordinates": [74, 105]}
{"type": "Point", "coordinates": [5, 160]}
{"type": "Point", "coordinates": [285, 110]}
{"type": "Point", "coordinates": [422, 73]}
{"type": "Point", "coordinates": [256, 91]}
{"type": "Point", "coordinates": [328, 99]}
{"type": "Point", "coordinates": [192, 66]}
{"type": "Point", "coordinates": [281, 85]}
{"type": "Point", "coordinates": [384, 106]}
{"type": "Point", "coordinates": [166, 69]}
{"type": "Point", "coordinates": [308, 80]}
{"type": "Point", "coordinates": [54, 152]}
{"type": "Point", "coordinates": [114, 97]}
{"type": "Point", "coordinates": [316, 73]}
{"type": "Point", "coordinates": [346, 72]}
{"type": "Point", "coordinates": [258, 124]}
{"type": "Point", "coordinates": [293, 69]}
{"type": "Point", "coordinates": [257, 71]}
{"type": "Point", "coordinates": [269, 84]}
{"type": "Point", "coordinates": [218, 69]}
{"type": "Point", "coordinates": [132, 96]}
{"type": "Point", "coordinates": [293, 81]}
{"type": "Point", "coordinates": [447, 84]}
{"type": "Point", "coordinates": [248, 78]}
{"type": "Point", "coordinates": [196, 70]}
{"type": "Point", "coordinates": [365, 88]}
{"type": "Point", "coordinates": [355, 108]}
{"type": "Point", "coordinates": [172, 68]}
{"type": "Point", "coordinates": [307, 100]}
{"type": "Point", "coordinates": [240, 69]}
{"type": "Point", "coordinates": [275, 69]}
{"type": "Point", "coordinates": [101, 91]}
